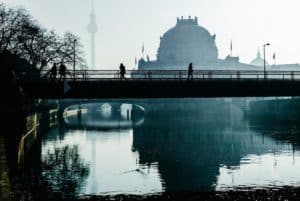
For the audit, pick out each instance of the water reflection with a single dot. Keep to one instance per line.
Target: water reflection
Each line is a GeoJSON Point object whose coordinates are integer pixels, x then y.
{"type": "Point", "coordinates": [287, 132]}
{"type": "Point", "coordinates": [113, 165]}
{"type": "Point", "coordinates": [193, 149]}
{"type": "Point", "coordinates": [180, 146]}
{"type": "Point", "coordinates": [63, 170]}
{"type": "Point", "coordinates": [267, 170]}
{"type": "Point", "coordinates": [104, 116]}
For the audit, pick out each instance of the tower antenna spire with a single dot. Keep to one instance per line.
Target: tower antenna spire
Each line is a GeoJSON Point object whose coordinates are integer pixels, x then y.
{"type": "Point", "coordinates": [92, 28]}
{"type": "Point", "coordinates": [93, 7]}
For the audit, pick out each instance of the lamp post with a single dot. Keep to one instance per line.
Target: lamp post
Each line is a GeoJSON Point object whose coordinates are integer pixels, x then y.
{"type": "Point", "coordinates": [265, 72]}
{"type": "Point", "coordinates": [74, 58]}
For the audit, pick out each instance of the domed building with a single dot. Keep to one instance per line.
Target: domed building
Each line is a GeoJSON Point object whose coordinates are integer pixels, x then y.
{"type": "Point", "coordinates": [185, 43]}
{"type": "Point", "coordinates": [258, 61]}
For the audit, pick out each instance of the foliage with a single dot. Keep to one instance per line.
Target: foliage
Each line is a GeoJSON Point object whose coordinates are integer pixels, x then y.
{"type": "Point", "coordinates": [64, 172]}
{"type": "Point", "coordinates": [21, 35]}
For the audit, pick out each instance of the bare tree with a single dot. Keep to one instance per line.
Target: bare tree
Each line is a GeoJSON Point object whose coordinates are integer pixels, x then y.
{"type": "Point", "coordinates": [24, 37]}
{"type": "Point", "coordinates": [71, 46]}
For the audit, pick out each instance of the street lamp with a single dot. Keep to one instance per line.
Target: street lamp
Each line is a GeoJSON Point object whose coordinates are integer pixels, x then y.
{"type": "Point", "coordinates": [265, 72]}
{"type": "Point", "coordinates": [74, 58]}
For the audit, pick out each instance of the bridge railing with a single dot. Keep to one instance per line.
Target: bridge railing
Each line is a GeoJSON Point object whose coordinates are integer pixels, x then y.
{"type": "Point", "coordinates": [177, 74]}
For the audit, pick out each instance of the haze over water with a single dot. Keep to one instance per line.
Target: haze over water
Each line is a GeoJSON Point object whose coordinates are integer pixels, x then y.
{"type": "Point", "coordinates": [184, 145]}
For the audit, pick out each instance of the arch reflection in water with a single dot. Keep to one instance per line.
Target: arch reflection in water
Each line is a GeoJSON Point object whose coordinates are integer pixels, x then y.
{"type": "Point", "coordinates": [183, 145]}
{"type": "Point", "coordinates": [104, 116]}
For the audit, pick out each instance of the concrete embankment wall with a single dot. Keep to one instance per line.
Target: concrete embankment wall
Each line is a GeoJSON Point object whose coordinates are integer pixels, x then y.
{"type": "Point", "coordinates": [4, 173]}
{"type": "Point", "coordinates": [36, 124]}
{"type": "Point", "coordinates": [16, 145]}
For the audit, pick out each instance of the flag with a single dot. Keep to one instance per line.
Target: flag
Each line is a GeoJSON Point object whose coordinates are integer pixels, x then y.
{"type": "Point", "coordinates": [231, 47]}
{"type": "Point", "coordinates": [143, 49]}
{"type": "Point", "coordinates": [274, 56]}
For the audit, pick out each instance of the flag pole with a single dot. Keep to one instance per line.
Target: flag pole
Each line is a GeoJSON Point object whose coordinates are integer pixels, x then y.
{"type": "Point", "coordinates": [143, 50]}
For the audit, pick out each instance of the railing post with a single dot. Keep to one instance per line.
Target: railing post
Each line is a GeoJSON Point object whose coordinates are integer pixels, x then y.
{"type": "Point", "coordinates": [149, 75]}
{"type": "Point", "coordinates": [210, 75]}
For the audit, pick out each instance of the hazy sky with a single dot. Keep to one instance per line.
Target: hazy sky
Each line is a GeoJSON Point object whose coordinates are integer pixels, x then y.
{"type": "Point", "coordinates": [124, 25]}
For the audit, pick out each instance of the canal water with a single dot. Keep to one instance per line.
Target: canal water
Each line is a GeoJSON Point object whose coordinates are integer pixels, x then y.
{"type": "Point", "coordinates": [148, 147]}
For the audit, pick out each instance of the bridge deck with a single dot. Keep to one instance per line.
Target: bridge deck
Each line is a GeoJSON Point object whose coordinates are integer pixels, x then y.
{"type": "Point", "coordinates": [161, 88]}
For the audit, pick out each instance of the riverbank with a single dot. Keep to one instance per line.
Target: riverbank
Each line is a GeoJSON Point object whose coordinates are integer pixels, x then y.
{"type": "Point", "coordinates": [284, 194]}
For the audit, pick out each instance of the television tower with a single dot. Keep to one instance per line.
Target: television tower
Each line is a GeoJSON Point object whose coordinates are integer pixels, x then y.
{"type": "Point", "coordinates": [92, 28]}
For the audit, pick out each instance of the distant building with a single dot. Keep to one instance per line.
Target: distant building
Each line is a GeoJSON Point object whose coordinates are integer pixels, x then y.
{"type": "Point", "coordinates": [258, 61]}
{"type": "Point", "coordinates": [188, 42]}
{"type": "Point", "coordinates": [286, 67]}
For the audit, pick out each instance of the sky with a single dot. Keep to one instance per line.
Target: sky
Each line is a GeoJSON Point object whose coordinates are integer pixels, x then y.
{"type": "Point", "coordinates": [125, 25]}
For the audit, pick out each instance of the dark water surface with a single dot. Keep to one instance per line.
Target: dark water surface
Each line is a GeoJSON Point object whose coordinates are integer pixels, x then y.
{"type": "Point", "coordinates": [165, 146]}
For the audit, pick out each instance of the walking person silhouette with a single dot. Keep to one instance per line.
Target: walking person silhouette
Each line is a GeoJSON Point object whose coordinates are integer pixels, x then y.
{"type": "Point", "coordinates": [190, 71]}
{"type": "Point", "coordinates": [122, 72]}
{"type": "Point", "coordinates": [62, 71]}
{"type": "Point", "coordinates": [53, 72]}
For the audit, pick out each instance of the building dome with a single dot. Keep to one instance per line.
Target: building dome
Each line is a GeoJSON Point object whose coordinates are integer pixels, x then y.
{"type": "Point", "coordinates": [187, 42]}
{"type": "Point", "coordinates": [258, 61]}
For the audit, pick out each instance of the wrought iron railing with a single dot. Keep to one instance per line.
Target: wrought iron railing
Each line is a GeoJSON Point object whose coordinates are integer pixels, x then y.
{"type": "Point", "coordinates": [93, 75]}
